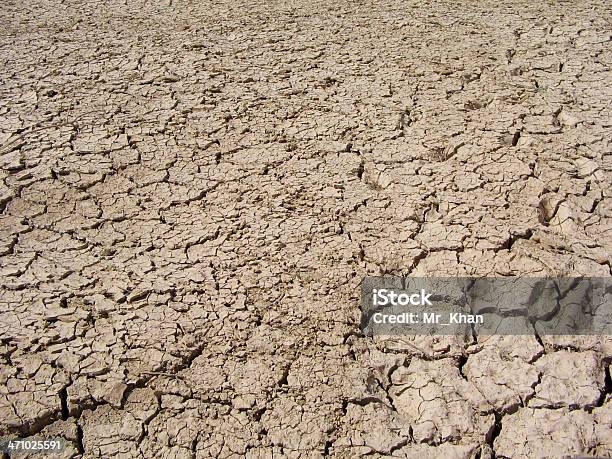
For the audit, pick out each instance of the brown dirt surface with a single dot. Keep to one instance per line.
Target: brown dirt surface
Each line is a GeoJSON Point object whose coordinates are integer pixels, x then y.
{"type": "Point", "coordinates": [191, 193]}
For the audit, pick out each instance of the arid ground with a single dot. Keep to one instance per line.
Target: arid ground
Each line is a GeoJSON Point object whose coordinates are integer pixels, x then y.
{"type": "Point", "coordinates": [192, 191]}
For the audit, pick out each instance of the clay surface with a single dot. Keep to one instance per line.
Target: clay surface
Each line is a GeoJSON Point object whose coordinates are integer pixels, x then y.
{"type": "Point", "coordinates": [191, 193]}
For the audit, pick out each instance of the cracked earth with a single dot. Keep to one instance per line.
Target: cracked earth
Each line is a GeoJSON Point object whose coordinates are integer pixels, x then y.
{"type": "Point", "coordinates": [191, 193]}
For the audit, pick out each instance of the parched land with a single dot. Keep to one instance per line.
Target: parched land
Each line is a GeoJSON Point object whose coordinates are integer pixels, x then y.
{"type": "Point", "coordinates": [192, 191]}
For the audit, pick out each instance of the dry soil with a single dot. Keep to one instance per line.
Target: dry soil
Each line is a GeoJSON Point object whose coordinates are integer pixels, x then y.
{"type": "Point", "coordinates": [192, 191]}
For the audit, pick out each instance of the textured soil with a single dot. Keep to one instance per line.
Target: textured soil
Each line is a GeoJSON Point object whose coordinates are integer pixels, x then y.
{"type": "Point", "coordinates": [191, 193]}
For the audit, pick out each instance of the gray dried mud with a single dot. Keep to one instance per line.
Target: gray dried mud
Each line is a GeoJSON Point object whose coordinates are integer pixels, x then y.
{"type": "Point", "coordinates": [191, 193]}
